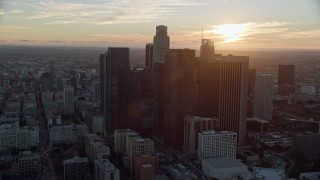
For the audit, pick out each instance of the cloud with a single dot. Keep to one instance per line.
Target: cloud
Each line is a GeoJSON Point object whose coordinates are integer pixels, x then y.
{"type": "Point", "coordinates": [1, 12]}
{"type": "Point", "coordinates": [14, 29]}
{"type": "Point", "coordinates": [105, 11]}
{"type": "Point", "coordinates": [27, 41]}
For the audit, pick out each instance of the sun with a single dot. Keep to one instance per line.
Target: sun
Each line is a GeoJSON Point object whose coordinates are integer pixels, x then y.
{"type": "Point", "coordinates": [231, 32]}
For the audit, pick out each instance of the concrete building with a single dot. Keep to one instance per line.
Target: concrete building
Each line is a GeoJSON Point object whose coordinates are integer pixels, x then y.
{"type": "Point", "coordinates": [137, 147]}
{"type": "Point", "coordinates": [192, 127]}
{"type": "Point", "coordinates": [14, 138]}
{"type": "Point", "coordinates": [29, 164]}
{"type": "Point", "coordinates": [105, 170]}
{"type": "Point", "coordinates": [67, 133]}
{"type": "Point", "coordinates": [121, 139]}
{"type": "Point", "coordinates": [233, 94]}
{"type": "Point", "coordinates": [217, 144]}
{"type": "Point", "coordinates": [149, 55]}
{"type": "Point", "coordinates": [263, 99]}
{"type": "Point", "coordinates": [76, 168]}
{"type": "Point", "coordinates": [223, 167]}
{"type": "Point", "coordinates": [257, 125]}
{"type": "Point", "coordinates": [68, 97]}
{"type": "Point", "coordinates": [309, 176]}
{"type": "Point", "coordinates": [179, 94]}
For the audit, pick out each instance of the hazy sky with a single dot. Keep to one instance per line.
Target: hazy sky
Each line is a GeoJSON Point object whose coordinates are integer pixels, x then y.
{"type": "Point", "coordinates": [231, 24]}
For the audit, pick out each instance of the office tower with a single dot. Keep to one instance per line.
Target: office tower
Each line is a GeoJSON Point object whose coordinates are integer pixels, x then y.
{"type": "Point", "coordinates": [179, 94]}
{"type": "Point", "coordinates": [251, 88]}
{"type": "Point", "coordinates": [145, 166]}
{"type": "Point", "coordinates": [141, 100]}
{"type": "Point", "coordinates": [76, 168]}
{"type": "Point", "coordinates": [96, 92]}
{"type": "Point", "coordinates": [102, 70]}
{"type": "Point", "coordinates": [233, 95]}
{"type": "Point", "coordinates": [116, 89]}
{"type": "Point", "coordinates": [161, 44]}
{"type": "Point", "coordinates": [308, 144]}
{"type": "Point", "coordinates": [286, 80]}
{"type": "Point", "coordinates": [149, 55]}
{"type": "Point", "coordinates": [194, 125]}
{"type": "Point", "coordinates": [207, 49]}
{"type": "Point", "coordinates": [105, 170]}
{"type": "Point", "coordinates": [217, 144]}
{"type": "Point", "coordinates": [263, 100]}
{"type": "Point", "coordinates": [46, 82]}
{"type": "Point", "coordinates": [74, 84]}
{"type": "Point", "coordinates": [208, 87]}
{"type": "Point", "coordinates": [137, 147]}
{"type": "Point", "coordinates": [68, 100]}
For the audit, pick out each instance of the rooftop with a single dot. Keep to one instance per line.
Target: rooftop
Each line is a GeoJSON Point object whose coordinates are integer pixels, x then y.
{"type": "Point", "coordinates": [224, 162]}
{"type": "Point", "coordinates": [268, 173]}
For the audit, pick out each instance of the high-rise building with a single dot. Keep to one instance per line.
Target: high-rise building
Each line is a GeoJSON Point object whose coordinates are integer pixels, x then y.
{"type": "Point", "coordinates": [141, 100]}
{"type": "Point", "coordinates": [149, 55]}
{"type": "Point", "coordinates": [179, 94]}
{"type": "Point", "coordinates": [116, 89]}
{"type": "Point", "coordinates": [207, 49]}
{"type": "Point", "coordinates": [161, 44]}
{"type": "Point", "coordinates": [120, 139]}
{"type": "Point", "coordinates": [208, 87]}
{"type": "Point", "coordinates": [68, 97]}
{"type": "Point", "coordinates": [233, 94]}
{"type": "Point", "coordinates": [102, 70]}
{"type": "Point", "coordinates": [263, 100]}
{"type": "Point", "coordinates": [105, 170]}
{"type": "Point", "coordinates": [251, 88]}
{"type": "Point", "coordinates": [194, 125]}
{"type": "Point", "coordinates": [138, 147]}
{"type": "Point", "coordinates": [217, 144]}
{"type": "Point", "coordinates": [286, 80]}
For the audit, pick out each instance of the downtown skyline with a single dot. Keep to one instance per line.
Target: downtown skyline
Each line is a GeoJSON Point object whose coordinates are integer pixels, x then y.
{"type": "Point", "coordinates": [231, 24]}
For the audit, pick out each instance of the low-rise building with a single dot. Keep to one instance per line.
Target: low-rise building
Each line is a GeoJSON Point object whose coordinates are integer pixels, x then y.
{"type": "Point", "coordinates": [76, 168]}
{"type": "Point", "coordinates": [29, 164]}
{"type": "Point", "coordinates": [104, 170]}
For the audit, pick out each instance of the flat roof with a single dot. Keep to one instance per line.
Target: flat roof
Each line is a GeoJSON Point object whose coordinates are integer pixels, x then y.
{"type": "Point", "coordinates": [269, 173]}
{"type": "Point", "coordinates": [224, 162]}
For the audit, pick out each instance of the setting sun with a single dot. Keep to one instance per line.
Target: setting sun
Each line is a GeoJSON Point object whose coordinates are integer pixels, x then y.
{"type": "Point", "coordinates": [231, 32]}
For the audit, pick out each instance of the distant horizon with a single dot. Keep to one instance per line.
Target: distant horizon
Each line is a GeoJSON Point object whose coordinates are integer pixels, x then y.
{"type": "Point", "coordinates": [231, 24]}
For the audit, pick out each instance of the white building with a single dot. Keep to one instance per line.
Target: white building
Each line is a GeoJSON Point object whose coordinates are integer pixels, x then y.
{"type": "Point", "coordinates": [192, 127]}
{"type": "Point", "coordinates": [223, 168]}
{"type": "Point", "coordinates": [104, 170]}
{"type": "Point", "coordinates": [161, 44]}
{"type": "Point", "coordinates": [120, 136]}
{"type": "Point", "coordinates": [263, 99]}
{"type": "Point", "coordinates": [67, 133]}
{"type": "Point", "coordinates": [68, 97]}
{"type": "Point", "coordinates": [217, 144]}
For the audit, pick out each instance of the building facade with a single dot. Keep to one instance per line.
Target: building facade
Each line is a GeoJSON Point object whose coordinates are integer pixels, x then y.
{"type": "Point", "coordinates": [263, 100]}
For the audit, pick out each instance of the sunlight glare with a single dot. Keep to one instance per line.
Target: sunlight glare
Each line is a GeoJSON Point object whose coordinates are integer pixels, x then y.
{"type": "Point", "coordinates": [231, 32]}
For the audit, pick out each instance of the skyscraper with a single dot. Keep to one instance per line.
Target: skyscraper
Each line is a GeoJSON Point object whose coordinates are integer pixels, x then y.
{"type": "Point", "coordinates": [263, 100]}
{"type": "Point", "coordinates": [286, 81]}
{"type": "Point", "coordinates": [149, 55]}
{"type": "Point", "coordinates": [116, 89]}
{"type": "Point", "coordinates": [68, 97]}
{"type": "Point", "coordinates": [208, 80]}
{"type": "Point", "coordinates": [251, 88]}
{"type": "Point", "coordinates": [161, 44]}
{"type": "Point", "coordinates": [102, 69]}
{"type": "Point", "coordinates": [207, 48]}
{"type": "Point", "coordinates": [179, 94]}
{"type": "Point", "coordinates": [74, 84]}
{"type": "Point", "coordinates": [233, 94]}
